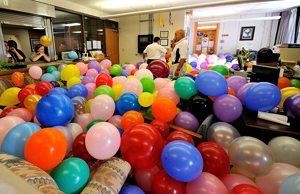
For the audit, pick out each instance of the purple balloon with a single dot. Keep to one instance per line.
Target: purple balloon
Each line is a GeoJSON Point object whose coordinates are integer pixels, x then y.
{"type": "Point", "coordinates": [87, 79]}
{"type": "Point", "coordinates": [203, 65]}
{"type": "Point", "coordinates": [61, 66]}
{"type": "Point", "coordinates": [236, 82]}
{"type": "Point", "coordinates": [220, 54]}
{"type": "Point", "coordinates": [138, 64]}
{"type": "Point", "coordinates": [67, 133]}
{"type": "Point", "coordinates": [292, 105]}
{"type": "Point", "coordinates": [94, 65]}
{"type": "Point", "coordinates": [235, 66]}
{"type": "Point", "coordinates": [227, 108]}
{"type": "Point", "coordinates": [190, 75]}
{"type": "Point", "coordinates": [104, 71]}
{"type": "Point", "coordinates": [171, 71]}
{"type": "Point", "coordinates": [187, 121]}
{"type": "Point", "coordinates": [55, 84]}
{"type": "Point", "coordinates": [124, 72]}
{"type": "Point", "coordinates": [242, 91]}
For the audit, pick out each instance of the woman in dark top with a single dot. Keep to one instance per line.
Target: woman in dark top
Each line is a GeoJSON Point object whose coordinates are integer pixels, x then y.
{"type": "Point", "coordinates": [39, 54]}
{"type": "Point", "coordinates": [16, 54]}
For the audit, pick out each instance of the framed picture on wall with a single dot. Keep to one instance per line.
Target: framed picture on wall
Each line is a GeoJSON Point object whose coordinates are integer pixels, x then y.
{"type": "Point", "coordinates": [33, 43]}
{"type": "Point", "coordinates": [247, 33]}
{"type": "Point", "coordinates": [164, 34]}
{"type": "Point", "coordinates": [164, 42]}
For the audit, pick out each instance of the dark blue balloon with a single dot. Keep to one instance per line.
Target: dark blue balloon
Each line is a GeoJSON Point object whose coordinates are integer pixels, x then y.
{"type": "Point", "coordinates": [131, 189]}
{"type": "Point", "coordinates": [262, 97]}
{"type": "Point", "coordinates": [58, 90]}
{"type": "Point", "coordinates": [190, 75]}
{"type": "Point", "coordinates": [182, 161]}
{"type": "Point", "coordinates": [125, 75]}
{"type": "Point", "coordinates": [116, 108]}
{"type": "Point", "coordinates": [193, 64]}
{"type": "Point", "coordinates": [54, 109]}
{"type": "Point", "coordinates": [77, 90]}
{"type": "Point", "coordinates": [120, 131]}
{"type": "Point", "coordinates": [128, 101]}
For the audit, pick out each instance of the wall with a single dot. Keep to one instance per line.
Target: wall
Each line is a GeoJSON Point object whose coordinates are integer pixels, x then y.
{"type": "Point", "coordinates": [130, 28]}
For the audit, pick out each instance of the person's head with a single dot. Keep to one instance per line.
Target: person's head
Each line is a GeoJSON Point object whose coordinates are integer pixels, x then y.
{"type": "Point", "coordinates": [156, 39]}
{"type": "Point", "coordinates": [6, 46]}
{"type": "Point", "coordinates": [39, 48]}
{"type": "Point", "coordinates": [179, 34]}
{"type": "Point", "coordinates": [12, 43]}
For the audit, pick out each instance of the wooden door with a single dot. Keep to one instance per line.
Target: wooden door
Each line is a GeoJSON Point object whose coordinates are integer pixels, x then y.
{"type": "Point", "coordinates": [112, 45]}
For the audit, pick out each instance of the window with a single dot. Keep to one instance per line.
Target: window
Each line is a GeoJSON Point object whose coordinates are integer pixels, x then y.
{"type": "Point", "coordinates": [94, 33]}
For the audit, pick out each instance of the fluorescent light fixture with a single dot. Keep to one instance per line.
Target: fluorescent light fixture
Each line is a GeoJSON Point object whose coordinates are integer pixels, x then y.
{"type": "Point", "coordinates": [72, 24]}
{"type": "Point", "coordinates": [78, 32]}
{"type": "Point", "coordinates": [38, 28]}
{"type": "Point", "coordinates": [242, 19]}
{"type": "Point", "coordinates": [206, 27]}
{"type": "Point", "coordinates": [100, 30]}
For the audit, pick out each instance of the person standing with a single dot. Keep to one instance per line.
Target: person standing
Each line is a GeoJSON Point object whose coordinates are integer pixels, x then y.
{"type": "Point", "coordinates": [180, 54]}
{"type": "Point", "coordinates": [17, 54]}
{"type": "Point", "coordinates": [154, 51]}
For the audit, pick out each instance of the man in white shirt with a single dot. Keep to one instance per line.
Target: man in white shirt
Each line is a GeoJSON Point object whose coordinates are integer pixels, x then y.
{"type": "Point", "coordinates": [180, 54]}
{"type": "Point", "coordinates": [154, 51]}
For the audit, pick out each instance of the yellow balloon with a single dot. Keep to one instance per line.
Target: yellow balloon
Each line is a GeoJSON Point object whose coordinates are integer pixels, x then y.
{"type": "Point", "coordinates": [146, 99]}
{"type": "Point", "coordinates": [287, 92]}
{"type": "Point", "coordinates": [88, 106]}
{"type": "Point", "coordinates": [60, 83]}
{"type": "Point", "coordinates": [189, 68]}
{"type": "Point", "coordinates": [170, 64]}
{"type": "Point", "coordinates": [179, 110]}
{"type": "Point", "coordinates": [102, 67]}
{"type": "Point", "coordinates": [72, 81]}
{"type": "Point", "coordinates": [45, 40]}
{"type": "Point", "coordinates": [131, 76]}
{"type": "Point", "coordinates": [155, 93]}
{"type": "Point", "coordinates": [235, 171]}
{"type": "Point", "coordinates": [31, 101]}
{"type": "Point", "coordinates": [118, 91]}
{"type": "Point", "coordinates": [10, 97]}
{"type": "Point", "coordinates": [87, 66]}
{"type": "Point", "coordinates": [69, 71]}
{"type": "Point", "coordinates": [204, 53]}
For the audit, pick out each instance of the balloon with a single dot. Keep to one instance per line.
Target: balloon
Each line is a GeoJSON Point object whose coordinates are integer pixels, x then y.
{"type": "Point", "coordinates": [185, 88]}
{"type": "Point", "coordinates": [283, 82]}
{"type": "Point", "coordinates": [10, 97]}
{"type": "Point", "coordinates": [75, 129]}
{"type": "Point", "coordinates": [61, 66]}
{"type": "Point", "coordinates": [46, 148]}
{"type": "Point", "coordinates": [164, 109]}
{"type": "Point", "coordinates": [141, 146]}
{"type": "Point", "coordinates": [127, 102]}
{"type": "Point", "coordinates": [180, 135]}
{"type": "Point", "coordinates": [163, 183]}
{"type": "Point", "coordinates": [94, 65]}
{"type": "Point", "coordinates": [77, 90]}
{"type": "Point", "coordinates": [190, 75]}
{"type": "Point", "coordinates": [116, 70]}
{"type": "Point", "coordinates": [73, 55]}
{"type": "Point", "coordinates": [17, 78]}
{"type": "Point", "coordinates": [87, 79]}
{"type": "Point", "coordinates": [129, 68]}
{"type": "Point", "coordinates": [236, 82]}
{"type": "Point", "coordinates": [43, 88]}
{"type": "Point", "coordinates": [148, 84]}
{"type": "Point", "coordinates": [287, 92]}
{"type": "Point", "coordinates": [84, 119]}
{"type": "Point", "coordinates": [119, 80]}
{"type": "Point", "coordinates": [262, 97]}
{"type": "Point", "coordinates": [45, 41]}
{"type": "Point", "coordinates": [92, 72]}
{"type": "Point", "coordinates": [232, 180]}
{"type": "Point", "coordinates": [245, 188]}
{"type": "Point", "coordinates": [35, 72]}
{"type": "Point", "coordinates": [206, 183]}
{"type": "Point", "coordinates": [159, 83]}
{"type": "Point", "coordinates": [211, 83]}
{"type": "Point", "coordinates": [104, 89]}
{"type": "Point", "coordinates": [257, 161]}
{"type": "Point", "coordinates": [162, 127]}
{"type": "Point", "coordinates": [79, 105]}
{"type": "Point", "coordinates": [69, 71]}
{"type": "Point", "coordinates": [54, 109]}
{"type": "Point", "coordinates": [79, 148]}
{"type": "Point", "coordinates": [102, 107]}
{"type": "Point", "coordinates": [23, 93]}
{"type": "Point", "coordinates": [131, 118]}
{"type": "Point", "coordinates": [242, 91]}
{"type": "Point", "coordinates": [130, 189]}
{"type": "Point", "coordinates": [115, 120]}
{"type": "Point", "coordinates": [222, 134]}
{"type": "Point", "coordinates": [105, 63]}
{"type": "Point", "coordinates": [146, 99]}
{"type": "Point", "coordinates": [104, 79]}
{"type": "Point", "coordinates": [67, 133]}
{"type": "Point", "coordinates": [159, 67]}
{"type": "Point", "coordinates": [132, 85]}
{"type": "Point", "coordinates": [187, 121]}
{"type": "Point", "coordinates": [145, 177]}
{"type": "Point", "coordinates": [233, 170]}
{"type": "Point", "coordinates": [23, 113]}
{"type": "Point", "coordinates": [143, 73]}
{"type": "Point", "coordinates": [91, 87]}
{"type": "Point", "coordinates": [32, 86]}
{"type": "Point", "coordinates": [200, 106]}
{"type": "Point", "coordinates": [182, 161]}
{"type": "Point", "coordinates": [227, 108]}
{"type": "Point", "coordinates": [221, 69]}
{"type": "Point", "coordinates": [294, 83]}
{"type": "Point", "coordinates": [6, 111]}
{"type": "Point", "coordinates": [169, 93]}
{"type": "Point", "coordinates": [290, 184]}
{"type": "Point", "coordinates": [71, 175]}
{"type": "Point", "coordinates": [58, 90]}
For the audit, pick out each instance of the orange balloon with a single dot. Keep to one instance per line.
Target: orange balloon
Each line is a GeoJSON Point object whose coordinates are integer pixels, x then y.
{"type": "Point", "coordinates": [230, 91]}
{"type": "Point", "coordinates": [31, 101]}
{"type": "Point", "coordinates": [167, 56]}
{"type": "Point", "coordinates": [46, 148]}
{"type": "Point", "coordinates": [17, 78]}
{"type": "Point", "coordinates": [131, 118]}
{"type": "Point", "coordinates": [164, 109]}
{"type": "Point", "coordinates": [30, 86]}
{"type": "Point", "coordinates": [283, 82]}
{"type": "Point", "coordinates": [209, 67]}
{"type": "Point", "coordinates": [108, 68]}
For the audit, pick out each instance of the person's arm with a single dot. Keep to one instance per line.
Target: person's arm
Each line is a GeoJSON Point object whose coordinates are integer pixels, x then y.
{"type": "Point", "coordinates": [181, 62]}
{"type": "Point", "coordinates": [46, 58]}
{"type": "Point", "coordinates": [20, 57]}
{"type": "Point", "coordinates": [35, 56]}
{"type": "Point", "coordinates": [144, 55]}
{"type": "Point", "coordinates": [10, 60]}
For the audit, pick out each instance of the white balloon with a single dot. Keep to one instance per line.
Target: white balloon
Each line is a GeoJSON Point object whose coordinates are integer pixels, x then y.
{"type": "Point", "coordinates": [75, 129]}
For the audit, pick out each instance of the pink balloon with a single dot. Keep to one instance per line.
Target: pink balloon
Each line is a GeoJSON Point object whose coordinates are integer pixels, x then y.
{"type": "Point", "coordinates": [206, 183]}
{"type": "Point", "coordinates": [82, 68]}
{"type": "Point", "coordinates": [91, 87]}
{"type": "Point", "coordinates": [143, 66]}
{"type": "Point", "coordinates": [159, 83]}
{"type": "Point", "coordinates": [102, 107]}
{"type": "Point", "coordinates": [169, 93]}
{"type": "Point", "coordinates": [232, 180]}
{"type": "Point", "coordinates": [144, 177]}
{"type": "Point", "coordinates": [105, 63]}
{"type": "Point", "coordinates": [35, 72]}
{"type": "Point", "coordinates": [23, 113]}
{"type": "Point", "coordinates": [102, 140]}
{"type": "Point", "coordinates": [119, 80]}
{"type": "Point", "coordinates": [129, 68]}
{"type": "Point", "coordinates": [167, 80]}
{"type": "Point", "coordinates": [271, 182]}
{"type": "Point", "coordinates": [116, 120]}
{"type": "Point", "coordinates": [6, 124]}
{"type": "Point", "coordinates": [92, 72]}
{"type": "Point", "coordinates": [170, 85]}
{"type": "Point", "coordinates": [36, 121]}
{"type": "Point", "coordinates": [132, 85]}
{"type": "Point", "coordinates": [84, 119]}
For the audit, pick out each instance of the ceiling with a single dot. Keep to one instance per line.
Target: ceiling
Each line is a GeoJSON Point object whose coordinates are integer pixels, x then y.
{"type": "Point", "coordinates": [202, 9]}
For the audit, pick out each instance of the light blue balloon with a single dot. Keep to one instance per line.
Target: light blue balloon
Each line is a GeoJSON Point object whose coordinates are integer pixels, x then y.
{"type": "Point", "coordinates": [48, 77]}
{"type": "Point", "coordinates": [56, 75]}
{"type": "Point", "coordinates": [15, 140]}
{"type": "Point", "coordinates": [73, 55]}
{"type": "Point", "coordinates": [290, 184]}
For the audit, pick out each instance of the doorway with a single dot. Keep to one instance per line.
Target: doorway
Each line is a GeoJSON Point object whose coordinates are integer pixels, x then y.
{"type": "Point", "coordinates": [112, 41]}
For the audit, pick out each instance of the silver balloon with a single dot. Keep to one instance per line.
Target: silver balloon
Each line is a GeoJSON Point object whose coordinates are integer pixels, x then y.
{"type": "Point", "coordinates": [290, 184]}
{"type": "Point", "coordinates": [222, 134]}
{"type": "Point", "coordinates": [286, 150]}
{"type": "Point", "coordinates": [250, 156]}
{"type": "Point", "coordinates": [61, 66]}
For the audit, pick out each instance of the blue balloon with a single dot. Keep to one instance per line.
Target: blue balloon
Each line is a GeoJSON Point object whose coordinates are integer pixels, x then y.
{"type": "Point", "coordinates": [182, 161]}
{"type": "Point", "coordinates": [125, 75]}
{"type": "Point", "coordinates": [193, 64]}
{"type": "Point", "coordinates": [48, 77]}
{"type": "Point", "coordinates": [54, 109]}
{"type": "Point", "coordinates": [15, 140]}
{"type": "Point", "coordinates": [120, 131]}
{"type": "Point", "coordinates": [58, 90]}
{"type": "Point", "coordinates": [73, 55]}
{"type": "Point", "coordinates": [56, 75]}
{"type": "Point", "coordinates": [128, 101]}
{"type": "Point", "coordinates": [124, 67]}
{"type": "Point", "coordinates": [116, 108]}
{"type": "Point", "coordinates": [211, 83]}
{"type": "Point", "coordinates": [77, 90]}
{"type": "Point", "coordinates": [131, 189]}
{"type": "Point", "coordinates": [290, 184]}
{"type": "Point", "coordinates": [262, 97]}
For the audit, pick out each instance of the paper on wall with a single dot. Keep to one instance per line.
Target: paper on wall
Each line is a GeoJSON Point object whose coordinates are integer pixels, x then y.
{"type": "Point", "coordinates": [198, 47]}
{"type": "Point", "coordinates": [204, 50]}
{"type": "Point", "coordinates": [89, 45]}
{"type": "Point", "coordinates": [95, 46]}
{"type": "Point", "coordinates": [204, 41]}
{"type": "Point", "coordinates": [99, 44]}
{"type": "Point", "coordinates": [211, 44]}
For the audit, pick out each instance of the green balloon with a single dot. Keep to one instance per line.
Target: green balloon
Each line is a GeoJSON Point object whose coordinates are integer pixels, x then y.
{"type": "Point", "coordinates": [295, 83]}
{"type": "Point", "coordinates": [201, 70]}
{"type": "Point", "coordinates": [170, 76]}
{"type": "Point", "coordinates": [92, 123]}
{"type": "Point", "coordinates": [116, 70]}
{"type": "Point", "coordinates": [50, 69]}
{"type": "Point", "coordinates": [221, 69]}
{"type": "Point", "coordinates": [71, 175]}
{"type": "Point", "coordinates": [149, 113]}
{"type": "Point", "coordinates": [148, 84]}
{"type": "Point", "coordinates": [104, 89]}
{"type": "Point", "coordinates": [185, 87]}
{"type": "Point", "coordinates": [127, 63]}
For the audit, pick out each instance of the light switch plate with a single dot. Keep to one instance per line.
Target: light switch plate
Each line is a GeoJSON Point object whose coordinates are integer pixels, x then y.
{"type": "Point", "coordinates": [5, 2]}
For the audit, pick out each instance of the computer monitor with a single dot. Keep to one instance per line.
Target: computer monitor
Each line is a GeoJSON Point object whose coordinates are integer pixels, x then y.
{"type": "Point", "coordinates": [262, 73]}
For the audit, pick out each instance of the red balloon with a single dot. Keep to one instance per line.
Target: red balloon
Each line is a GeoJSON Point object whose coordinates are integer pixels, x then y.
{"type": "Point", "coordinates": [104, 79]}
{"type": "Point", "coordinates": [79, 149]}
{"type": "Point", "coordinates": [141, 146]}
{"type": "Point", "coordinates": [226, 76]}
{"type": "Point", "coordinates": [163, 183]}
{"type": "Point", "coordinates": [133, 71]}
{"type": "Point", "coordinates": [160, 68]}
{"type": "Point", "coordinates": [6, 111]}
{"type": "Point", "coordinates": [162, 127]}
{"type": "Point", "coordinates": [215, 159]}
{"type": "Point", "coordinates": [245, 189]}
{"type": "Point", "coordinates": [195, 72]}
{"type": "Point", "coordinates": [26, 92]}
{"type": "Point", "coordinates": [43, 88]}
{"type": "Point", "coordinates": [180, 135]}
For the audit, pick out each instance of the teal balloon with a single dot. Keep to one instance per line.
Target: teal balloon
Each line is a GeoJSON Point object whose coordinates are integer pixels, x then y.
{"type": "Point", "coordinates": [185, 88]}
{"type": "Point", "coordinates": [73, 55]}
{"type": "Point", "coordinates": [56, 75]}
{"type": "Point", "coordinates": [104, 89]}
{"type": "Point", "coordinates": [71, 175]}
{"type": "Point", "coordinates": [50, 69]}
{"type": "Point", "coordinates": [116, 70]}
